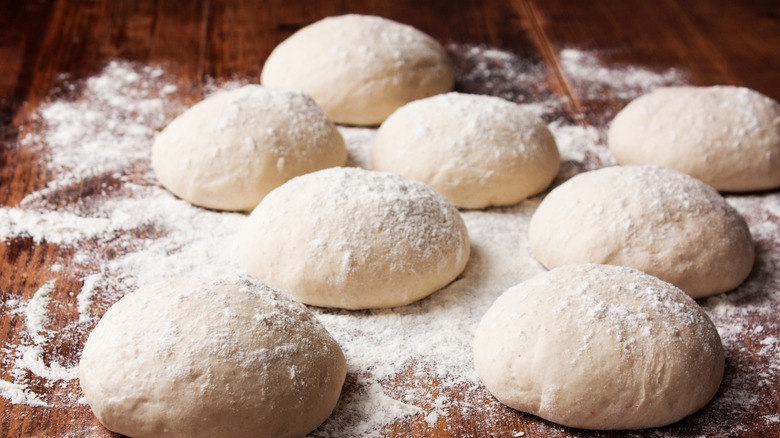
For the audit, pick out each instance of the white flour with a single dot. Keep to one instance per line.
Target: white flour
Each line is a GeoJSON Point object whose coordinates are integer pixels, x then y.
{"type": "Point", "coordinates": [592, 80]}
{"type": "Point", "coordinates": [130, 233]}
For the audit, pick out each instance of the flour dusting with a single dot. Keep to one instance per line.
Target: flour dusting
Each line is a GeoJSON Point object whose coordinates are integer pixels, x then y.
{"type": "Point", "coordinates": [593, 80]}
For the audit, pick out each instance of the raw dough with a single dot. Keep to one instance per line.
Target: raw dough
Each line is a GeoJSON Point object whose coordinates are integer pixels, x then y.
{"type": "Point", "coordinates": [220, 359]}
{"type": "Point", "coordinates": [479, 151]}
{"type": "Point", "coordinates": [360, 68]}
{"type": "Point", "coordinates": [599, 347]}
{"type": "Point", "coordinates": [651, 218]}
{"type": "Point", "coordinates": [228, 151]}
{"type": "Point", "coordinates": [355, 239]}
{"type": "Point", "coordinates": [728, 137]}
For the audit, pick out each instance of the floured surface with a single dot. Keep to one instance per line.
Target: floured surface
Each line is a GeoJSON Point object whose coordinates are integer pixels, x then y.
{"type": "Point", "coordinates": [102, 227]}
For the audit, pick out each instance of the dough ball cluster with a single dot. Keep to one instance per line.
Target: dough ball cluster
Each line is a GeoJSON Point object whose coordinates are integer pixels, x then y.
{"type": "Point", "coordinates": [599, 347]}
{"type": "Point", "coordinates": [728, 137]}
{"type": "Point", "coordinates": [479, 151]}
{"type": "Point", "coordinates": [228, 151]}
{"type": "Point", "coordinates": [220, 359]}
{"type": "Point", "coordinates": [360, 68]}
{"type": "Point", "coordinates": [651, 218]}
{"type": "Point", "coordinates": [355, 239]}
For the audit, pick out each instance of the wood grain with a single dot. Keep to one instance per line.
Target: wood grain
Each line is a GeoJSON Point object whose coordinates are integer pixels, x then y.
{"type": "Point", "coordinates": [198, 42]}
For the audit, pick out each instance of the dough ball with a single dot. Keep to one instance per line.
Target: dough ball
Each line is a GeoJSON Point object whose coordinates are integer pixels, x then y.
{"type": "Point", "coordinates": [728, 137]}
{"type": "Point", "coordinates": [599, 347]}
{"type": "Point", "coordinates": [479, 151]}
{"type": "Point", "coordinates": [360, 68]}
{"type": "Point", "coordinates": [228, 151]}
{"type": "Point", "coordinates": [651, 218]}
{"type": "Point", "coordinates": [355, 239]}
{"type": "Point", "coordinates": [225, 359]}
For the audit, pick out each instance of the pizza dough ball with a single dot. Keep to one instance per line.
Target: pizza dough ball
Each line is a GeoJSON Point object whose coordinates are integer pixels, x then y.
{"type": "Point", "coordinates": [360, 68]}
{"type": "Point", "coordinates": [651, 218]}
{"type": "Point", "coordinates": [479, 151]}
{"type": "Point", "coordinates": [599, 347]}
{"type": "Point", "coordinates": [225, 359]}
{"type": "Point", "coordinates": [355, 239]}
{"type": "Point", "coordinates": [228, 151]}
{"type": "Point", "coordinates": [728, 137]}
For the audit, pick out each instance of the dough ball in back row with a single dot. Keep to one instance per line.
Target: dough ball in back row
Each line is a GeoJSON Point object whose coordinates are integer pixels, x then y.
{"type": "Point", "coordinates": [353, 238]}
{"type": "Point", "coordinates": [228, 151]}
{"type": "Point", "coordinates": [479, 151]}
{"type": "Point", "coordinates": [360, 68]}
{"type": "Point", "coordinates": [651, 218]}
{"type": "Point", "coordinates": [728, 137]}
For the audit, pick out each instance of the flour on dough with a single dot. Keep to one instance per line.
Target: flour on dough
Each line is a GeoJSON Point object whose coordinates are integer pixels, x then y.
{"type": "Point", "coordinates": [479, 151]}
{"type": "Point", "coordinates": [728, 137]}
{"type": "Point", "coordinates": [360, 68]}
{"type": "Point", "coordinates": [651, 218]}
{"type": "Point", "coordinates": [228, 151]}
{"type": "Point", "coordinates": [226, 358]}
{"type": "Point", "coordinates": [599, 347]}
{"type": "Point", "coordinates": [353, 238]}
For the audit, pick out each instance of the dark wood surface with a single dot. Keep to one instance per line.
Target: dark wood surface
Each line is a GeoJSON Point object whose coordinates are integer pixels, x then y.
{"type": "Point", "coordinates": [711, 42]}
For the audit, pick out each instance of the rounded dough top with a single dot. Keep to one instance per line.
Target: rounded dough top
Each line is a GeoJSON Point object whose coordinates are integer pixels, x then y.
{"type": "Point", "coordinates": [355, 239]}
{"type": "Point", "coordinates": [221, 359]}
{"type": "Point", "coordinates": [360, 68]}
{"type": "Point", "coordinates": [599, 347]}
{"type": "Point", "coordinates": [728, 137]}
{"type": "Point", "coordinates": [479, 151]}
{"type": "Point", "coordinates": [651, 218]}
{"type": "Point", "coordinates": [228, 151]}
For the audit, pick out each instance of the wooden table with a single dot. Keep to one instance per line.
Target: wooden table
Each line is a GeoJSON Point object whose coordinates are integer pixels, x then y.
{"type": "Point", "coordinates": [45, 44]}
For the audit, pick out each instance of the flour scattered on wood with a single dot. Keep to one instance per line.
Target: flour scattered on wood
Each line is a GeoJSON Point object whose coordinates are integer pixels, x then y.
{"type": "Point", "coordinates": [36, 313]}
{"type": "Point", "coordinates": [593, 80]}
{"type": "Point", "coordinates": [85, 296]}
{"type": "Point", "coordinates": [128, 232]}
{"type": "Point", "coordinates": [20, 394]}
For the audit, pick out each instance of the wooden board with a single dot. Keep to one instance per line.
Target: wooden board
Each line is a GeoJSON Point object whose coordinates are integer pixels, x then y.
{"type": "Point", "coordinates": [49, 48]}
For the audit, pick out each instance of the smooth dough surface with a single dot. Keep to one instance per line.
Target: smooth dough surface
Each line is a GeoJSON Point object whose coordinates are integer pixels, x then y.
{"type": "Point", "coordinates": [360, 68]}
{"type": "Point", "coordinates": [479, 151]}
{"type": "Point", "coordinates": [728, 137]}
{"type": "Point", "coordinates": [220, 359]}
{"type": "Point", "coordinates": [651, 218]}
{"type": "Point", "coordinates": [354, 238]}
{"type": "Point", "coordinates": [599, 347]}
{"type": "Point", "coordinates": [228, 151]}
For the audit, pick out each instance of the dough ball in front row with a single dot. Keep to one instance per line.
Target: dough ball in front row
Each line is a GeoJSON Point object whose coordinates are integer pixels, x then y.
{"type": "Point", "coordinates": [353, 238]}
{"type": "Point", "coordinates": [479, 151]}
{"type": "Point", "coordinates": [728, 137]}
{"type": "Point", "coordinates": [228, 151]}
{"type": "Point", "coordinates": [651, 218]}
{"type": "Point", "coordinates": [360, 68]}
{"type": "Point", "coordinates": [599, 347]}
{"type": "Point", "coordinates": [220, 359]}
